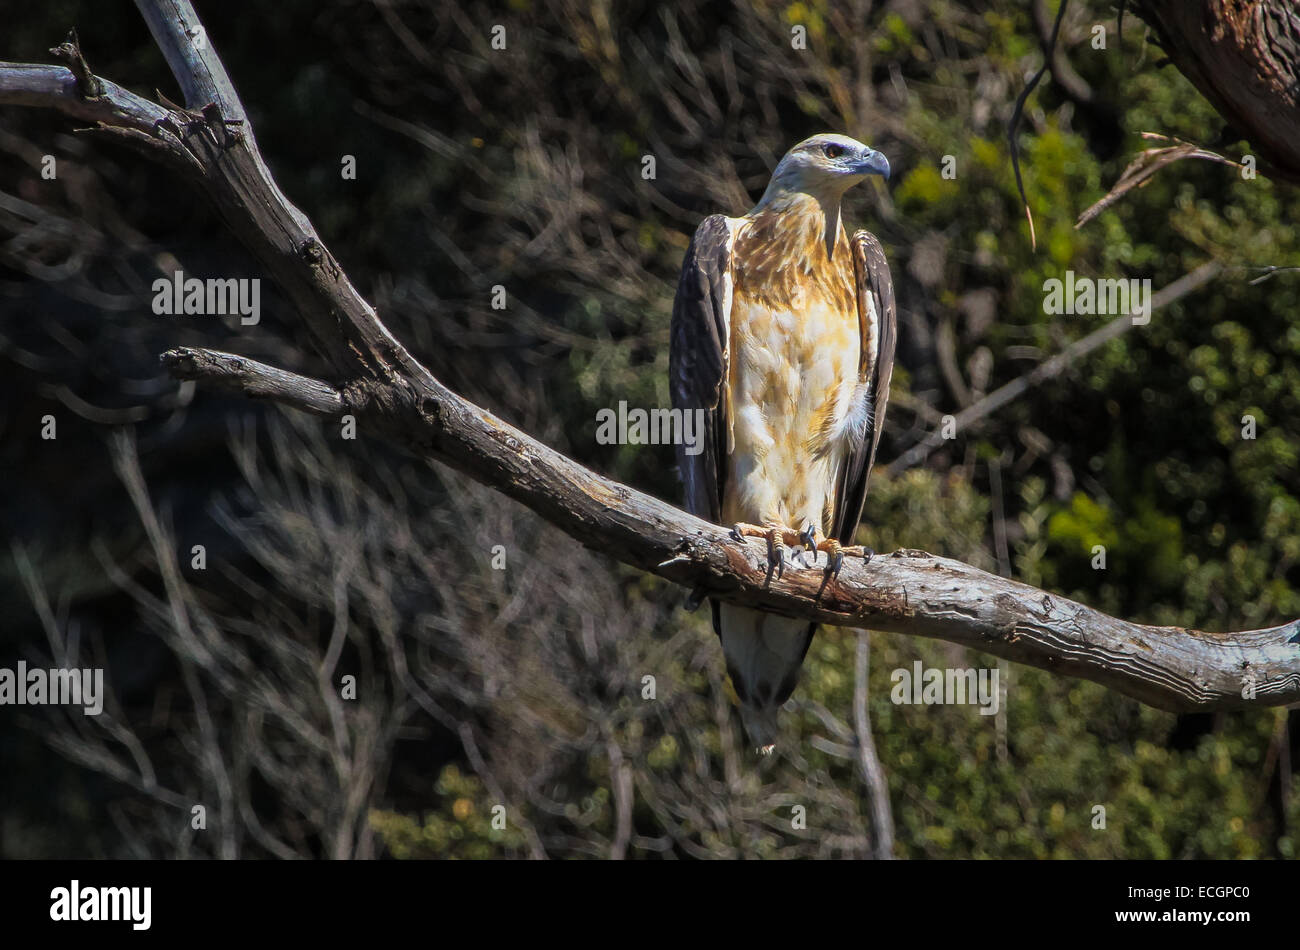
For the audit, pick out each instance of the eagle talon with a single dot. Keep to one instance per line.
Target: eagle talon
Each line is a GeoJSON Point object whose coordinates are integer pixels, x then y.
{"type": "Point", "coordinates": [775, 556]}
{"type": "Point", "coordinates": [777, 540]}
{"type": "Point", "coordinates": [834, 563]}
{"type": "Point", "coordinates": [809, 537]}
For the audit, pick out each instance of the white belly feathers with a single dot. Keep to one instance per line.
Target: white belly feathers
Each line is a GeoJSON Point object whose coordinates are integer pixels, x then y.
{"type": "Point", "coordinates": [797, 408]}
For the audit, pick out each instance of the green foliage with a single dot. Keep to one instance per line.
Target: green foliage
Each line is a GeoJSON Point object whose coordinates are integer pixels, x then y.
{"type": "Point", "coordinates": [458, 824]}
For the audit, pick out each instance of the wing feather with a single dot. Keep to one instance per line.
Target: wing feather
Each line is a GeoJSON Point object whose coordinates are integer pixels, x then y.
{"type": "Point", "coordinates": [875, 293]}
{"type": "Point", "coordinates": [699, 340]}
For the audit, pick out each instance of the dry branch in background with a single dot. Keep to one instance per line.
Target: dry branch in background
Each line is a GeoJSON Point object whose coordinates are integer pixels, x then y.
{"type": "Point", "coordinates": [1146, 164]}
{"type": "Point", "coordinates": [375, 379]}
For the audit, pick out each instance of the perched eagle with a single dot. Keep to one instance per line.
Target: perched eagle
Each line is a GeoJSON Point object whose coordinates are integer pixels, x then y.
{"type": "Point", "coordinates": [783, 333]}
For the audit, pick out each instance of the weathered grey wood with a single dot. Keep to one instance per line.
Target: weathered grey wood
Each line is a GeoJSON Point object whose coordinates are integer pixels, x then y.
{"type": "Point", "coordinates": [392, 395]}
{"type": "Point", "coordinates": [55, 87]}
{"type": "Point", "coordinates": [255, 380]}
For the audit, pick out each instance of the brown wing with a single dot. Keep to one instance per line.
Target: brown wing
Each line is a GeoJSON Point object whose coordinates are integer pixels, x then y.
{"type": "Point", "coordinates": [697, 361]}
{"type": "Point", "coordinates": [879, 329]}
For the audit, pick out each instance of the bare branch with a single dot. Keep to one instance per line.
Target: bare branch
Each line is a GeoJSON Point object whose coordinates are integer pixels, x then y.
{"type": "Point", "coordinates": [1013, 126]}
{"type": "Point", "coordinates": [255, 380]}
{"type": "Point", "coordinates": [873, 773]}
{"type": "Point", "coordinates": [56, 87]}
{"type": "Point", "coordinates": [1147, 163]}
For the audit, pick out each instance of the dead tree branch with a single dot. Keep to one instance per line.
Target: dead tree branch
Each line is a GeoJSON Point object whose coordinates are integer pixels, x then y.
{"type": "Point", "coordinates": [389, 393]}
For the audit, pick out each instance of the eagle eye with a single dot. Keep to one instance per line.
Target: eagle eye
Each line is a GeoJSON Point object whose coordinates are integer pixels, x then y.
{"type": "Point", "coordinates": [832, 151]}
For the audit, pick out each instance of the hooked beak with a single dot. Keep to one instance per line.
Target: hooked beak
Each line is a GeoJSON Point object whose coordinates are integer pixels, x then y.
{"type": "Point", "coordinates": [872, 163]}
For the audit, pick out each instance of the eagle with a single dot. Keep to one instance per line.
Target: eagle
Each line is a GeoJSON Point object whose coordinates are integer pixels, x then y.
{"type": "Point", "coordinates": [782, 335]}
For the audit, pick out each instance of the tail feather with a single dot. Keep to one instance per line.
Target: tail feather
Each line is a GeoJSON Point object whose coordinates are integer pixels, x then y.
{"type": "Point", "coordinates": [764, 653]}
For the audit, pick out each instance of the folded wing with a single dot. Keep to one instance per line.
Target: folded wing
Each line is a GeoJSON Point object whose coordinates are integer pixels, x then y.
{"type": "Point", "coordinates": [697, 361]}
{"type": "Point", "coordinates": [878, 320]}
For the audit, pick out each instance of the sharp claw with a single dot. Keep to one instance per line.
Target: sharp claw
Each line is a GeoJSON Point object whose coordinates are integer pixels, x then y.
{"type": "Point", "coordinates": [836, 564]}
{"type": "Point", "coordinates": [867, 555]}
{"type": "Point", "coordinates": [736, 535]}
{"type": "Point", "coordinates": [809, 536]}
{"type": "Point", "coordinates": [695, 599]}
{"type": "Point", "coordinates": [775, 556]}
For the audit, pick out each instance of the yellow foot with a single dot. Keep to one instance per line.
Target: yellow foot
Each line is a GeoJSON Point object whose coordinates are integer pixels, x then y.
{"type": "Point", "coordinates": [777, 538]}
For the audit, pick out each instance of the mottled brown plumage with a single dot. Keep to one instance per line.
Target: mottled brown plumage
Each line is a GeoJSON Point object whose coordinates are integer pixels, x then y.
{"type": "Point", "coordinates": [791, 229]}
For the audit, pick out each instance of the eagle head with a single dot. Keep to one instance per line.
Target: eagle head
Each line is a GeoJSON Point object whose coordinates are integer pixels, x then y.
{"type": "Point", "coordinates": [826, 165]}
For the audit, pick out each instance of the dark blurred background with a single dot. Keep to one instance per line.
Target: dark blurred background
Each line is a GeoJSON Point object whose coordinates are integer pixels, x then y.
{"type": "Point", "coordinates": [523, 687]}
